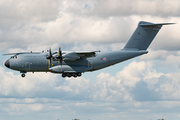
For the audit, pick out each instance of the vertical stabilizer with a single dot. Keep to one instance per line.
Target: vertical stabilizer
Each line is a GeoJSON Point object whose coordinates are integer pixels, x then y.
{"type": "Point", "coordinates": [144, 35]}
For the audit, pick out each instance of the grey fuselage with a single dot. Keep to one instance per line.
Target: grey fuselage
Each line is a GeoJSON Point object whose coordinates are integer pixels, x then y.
{"type": "Point", "coordinates": [37, 62]}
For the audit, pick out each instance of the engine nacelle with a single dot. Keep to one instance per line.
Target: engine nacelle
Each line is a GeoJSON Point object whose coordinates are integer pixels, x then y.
{"type": "Point", "coordinates": [70, 57]}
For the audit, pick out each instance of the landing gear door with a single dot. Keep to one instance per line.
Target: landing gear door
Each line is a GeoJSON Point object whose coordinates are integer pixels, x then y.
{"type": "Point", "coordinates": [90, 63]}
{"type": "Point", "coordinates": [27, 66]}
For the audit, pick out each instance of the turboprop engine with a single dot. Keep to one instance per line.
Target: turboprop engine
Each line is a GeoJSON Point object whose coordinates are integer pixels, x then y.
{"type": "Point", "coordinates": [70, 57]}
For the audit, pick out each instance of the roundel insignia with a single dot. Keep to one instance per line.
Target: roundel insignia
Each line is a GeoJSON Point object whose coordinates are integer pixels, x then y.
{"type": "Point", "coordinates": [104, 59]}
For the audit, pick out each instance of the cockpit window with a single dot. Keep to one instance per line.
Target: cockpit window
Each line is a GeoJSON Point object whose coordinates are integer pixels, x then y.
{"type": "Point", "coordinates": [14, 57]}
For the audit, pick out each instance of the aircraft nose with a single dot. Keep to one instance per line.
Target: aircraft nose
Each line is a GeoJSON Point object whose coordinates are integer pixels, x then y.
{"type": "Point", "coordinates": [7, 63]}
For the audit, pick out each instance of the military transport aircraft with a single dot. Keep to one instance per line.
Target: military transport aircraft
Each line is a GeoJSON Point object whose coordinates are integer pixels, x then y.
{"type": "Point", "coordinates": [77, 62]}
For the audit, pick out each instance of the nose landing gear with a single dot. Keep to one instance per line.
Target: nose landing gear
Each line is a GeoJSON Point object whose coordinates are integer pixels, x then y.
{"type": "Point", "coordinates": [23, 75]}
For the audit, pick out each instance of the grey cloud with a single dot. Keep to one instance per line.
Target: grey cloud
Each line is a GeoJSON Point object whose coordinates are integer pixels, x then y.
{"type": "Point", "coordinates": [142, 93]}
{"type": "Point", "coordinates": [28, 11]}
{"type": "Point", "coordinates": [73, 109]}
{"type": "Point", "coordinates": [159, 55]}
{"type": "Point", "coordinates": [110, 8]}
{"type": "Point", "coordinates": [62, 31]}
{"type": "Point", "coordinates": [19, 19]}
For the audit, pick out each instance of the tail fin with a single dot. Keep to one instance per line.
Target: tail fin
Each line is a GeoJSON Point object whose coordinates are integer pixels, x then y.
{"type": "Point", "coordinates": [144, 35]}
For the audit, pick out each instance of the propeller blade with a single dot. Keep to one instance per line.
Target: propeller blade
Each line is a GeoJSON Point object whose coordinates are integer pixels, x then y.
{"type": "Point", "coordinates": [49, 57]}
{"type": "Point", "coordinates": [50, 54]}
{"type": "Point", "coordinates": [60, 61]}
{"type": "Point", "coordinates": [50, 63]}
{"type": "Point", "coordinates": [60, 52]}
{"type": "Point", "coordinates": [60, 56]}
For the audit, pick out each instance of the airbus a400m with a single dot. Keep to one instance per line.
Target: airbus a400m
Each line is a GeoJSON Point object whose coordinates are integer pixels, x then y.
{"type": "Point", "coordinates": [73, 64]}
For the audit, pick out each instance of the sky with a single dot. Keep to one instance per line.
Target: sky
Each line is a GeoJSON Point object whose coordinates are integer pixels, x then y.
{"type": "Point", "coordinates": [143, 88]}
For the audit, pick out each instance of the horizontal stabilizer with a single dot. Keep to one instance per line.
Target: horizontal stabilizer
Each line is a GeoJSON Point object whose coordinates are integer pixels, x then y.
{"type": "Point", "coordinates": [151, 24]}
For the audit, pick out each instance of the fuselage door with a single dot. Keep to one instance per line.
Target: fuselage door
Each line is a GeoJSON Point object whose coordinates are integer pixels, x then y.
{"type": "Point", "coordinates": [90, 63]}
{"type": "Point", "coordinates": [27, 66]}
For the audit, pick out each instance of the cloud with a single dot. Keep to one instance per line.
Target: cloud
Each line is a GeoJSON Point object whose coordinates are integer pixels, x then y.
{"type": "Point", "coordinates": [72, 28]}
{"type": "Point", "coordinates": [136, 89]}
{"type": "Point", "coordinates": [166, 60]}
{"type": "Point", "coordinates": [28, 11]}
{"type": "Point", "coordinates": [147, 87]}
{"type": "Point", "coordinates": [65, 29]}
{"type": "Point", "coordinates": [124, 7]}
{"type": "Point", "coordinates": [61, 24]}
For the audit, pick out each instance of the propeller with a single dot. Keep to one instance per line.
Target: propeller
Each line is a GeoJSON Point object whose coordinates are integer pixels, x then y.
{"type": "Point", "coordinates": [50, 56]}
{"type": "Point", "coordinates": [60, 56]}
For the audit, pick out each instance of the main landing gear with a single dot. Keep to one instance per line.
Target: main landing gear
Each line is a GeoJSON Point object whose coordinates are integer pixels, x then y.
{"type": "Point", "coordinates": [71, 75]}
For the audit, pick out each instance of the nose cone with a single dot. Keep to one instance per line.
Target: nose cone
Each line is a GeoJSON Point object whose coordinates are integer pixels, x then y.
{"type": "Point", "coordinates": [7, 63]}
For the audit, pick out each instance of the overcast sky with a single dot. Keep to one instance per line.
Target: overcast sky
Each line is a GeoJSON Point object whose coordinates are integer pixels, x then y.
{"type": "Point", "coordinates": [143, 88]}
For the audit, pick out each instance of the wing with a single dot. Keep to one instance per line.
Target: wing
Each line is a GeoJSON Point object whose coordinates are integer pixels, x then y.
{"type": "Point", "coordinates": [22, 53]}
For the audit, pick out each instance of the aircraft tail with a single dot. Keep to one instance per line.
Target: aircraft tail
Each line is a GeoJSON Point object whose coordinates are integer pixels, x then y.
{"type": "Point", "coordinates": [144, 35]}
